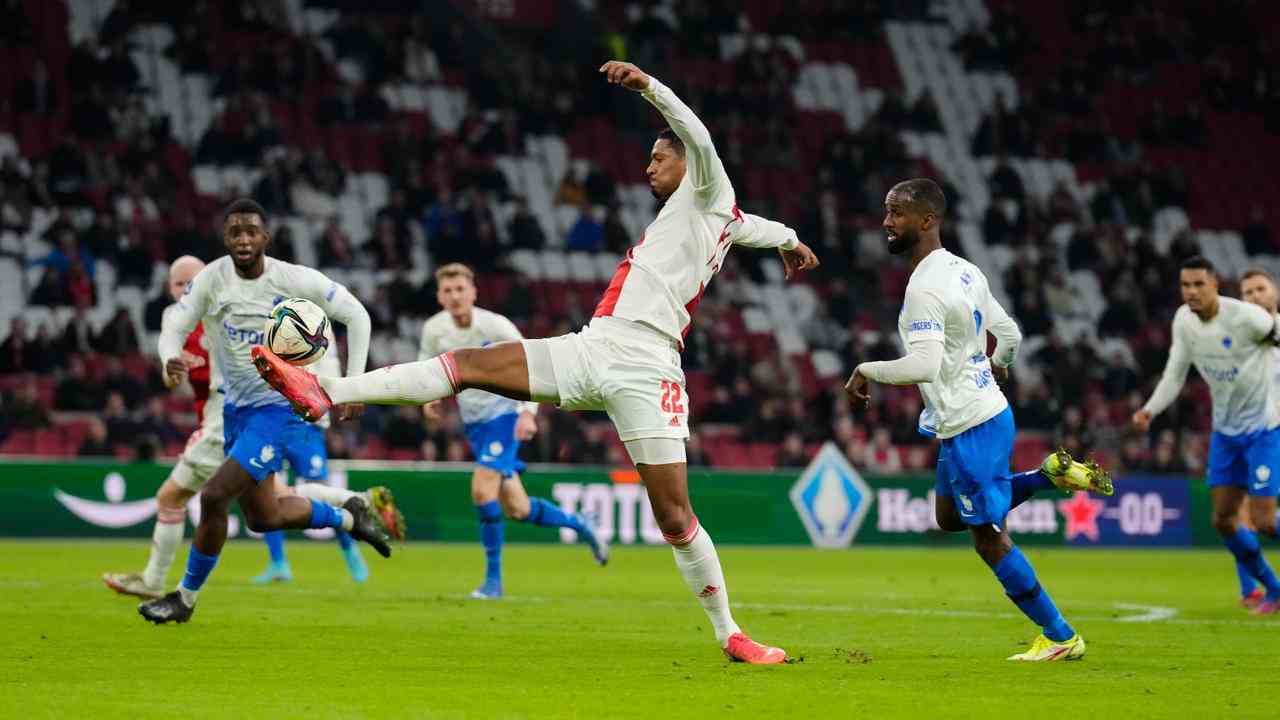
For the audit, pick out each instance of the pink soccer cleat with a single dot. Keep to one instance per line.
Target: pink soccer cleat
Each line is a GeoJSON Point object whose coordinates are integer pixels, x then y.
{"type": "Point", "coordinates": [1253, 599]}
{"type": "Point", "coordinates": [741, 648]}
{"type": "Point", "coordinates": [300, 387]}
{"type": "Point", "coordinates": [1267, 607]}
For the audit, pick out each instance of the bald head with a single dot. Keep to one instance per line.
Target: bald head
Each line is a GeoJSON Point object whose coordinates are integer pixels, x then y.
{"type": "Point", "coordinates": [181, 272]}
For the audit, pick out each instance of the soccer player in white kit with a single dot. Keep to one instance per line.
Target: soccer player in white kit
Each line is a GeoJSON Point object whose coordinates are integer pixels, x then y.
{"type": "Point", "coordinates": [627, 360]}
{"type": "Point", "coordinates": [233, 296]}
{"type": "Point", "coordinates": [1231, 343]}
{"type": "Point", "coordinates": [946, 316]}
{"type": "Point", "coordinates": [495, 427]}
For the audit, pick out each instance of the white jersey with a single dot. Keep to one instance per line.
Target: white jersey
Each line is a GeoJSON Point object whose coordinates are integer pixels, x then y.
{"type": "Point", "coordinates": [1233, 353]}
{"type": "Point", "coordinates": [234, 310]}
{"type": "Point", "coordinates": [949, 307]}
{"type": "Point", "coordinates": [440, 334]}
{"type": "Point", "coordinates": [661, 279]}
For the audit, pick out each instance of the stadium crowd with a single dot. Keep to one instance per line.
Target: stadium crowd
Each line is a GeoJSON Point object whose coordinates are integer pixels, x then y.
{"type": "Point", "coordinates": [117, 181]}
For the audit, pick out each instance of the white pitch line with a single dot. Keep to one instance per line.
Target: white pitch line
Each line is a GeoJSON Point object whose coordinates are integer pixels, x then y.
{"type": "Point", "coordinates": [1150, 613]}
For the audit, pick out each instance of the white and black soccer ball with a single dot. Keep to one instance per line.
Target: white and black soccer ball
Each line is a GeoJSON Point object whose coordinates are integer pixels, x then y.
{"type": "Point", "coordinates": [298, 331]}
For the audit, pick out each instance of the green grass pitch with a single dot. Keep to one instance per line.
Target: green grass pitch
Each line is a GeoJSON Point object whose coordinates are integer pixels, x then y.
{"type": "Point", "coordinates": [881, 633]}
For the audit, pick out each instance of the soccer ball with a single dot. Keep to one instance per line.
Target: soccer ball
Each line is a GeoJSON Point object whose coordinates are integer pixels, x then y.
{"type": "Point", "coordinates": [298, 331]}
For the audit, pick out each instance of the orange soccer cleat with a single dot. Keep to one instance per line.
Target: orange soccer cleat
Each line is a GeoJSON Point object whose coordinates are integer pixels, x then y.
{"type": "Point", "coordinates": [741, 648]}
{"type": "Point", "coordinates": [300, 387]}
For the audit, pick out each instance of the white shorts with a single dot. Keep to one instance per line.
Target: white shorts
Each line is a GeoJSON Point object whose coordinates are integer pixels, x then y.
{"type": "Point", "coordinates": [202, 456]}
{"type": "Point", "coordinates": [627, 369]}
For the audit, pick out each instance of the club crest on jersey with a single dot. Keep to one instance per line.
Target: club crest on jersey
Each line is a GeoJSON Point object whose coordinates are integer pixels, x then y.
{"type": "Point", "coordinates": [1226, 342]}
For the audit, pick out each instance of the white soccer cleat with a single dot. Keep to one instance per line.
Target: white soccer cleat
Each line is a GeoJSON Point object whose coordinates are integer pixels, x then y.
{"type": "Point", "coordinates": [132, 584]}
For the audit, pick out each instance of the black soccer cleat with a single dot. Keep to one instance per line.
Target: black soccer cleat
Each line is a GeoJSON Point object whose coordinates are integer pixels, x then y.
{"type": "Point", "coordinates": [169, 608]}
{"type": "Point", "coordinates": [366, 526]}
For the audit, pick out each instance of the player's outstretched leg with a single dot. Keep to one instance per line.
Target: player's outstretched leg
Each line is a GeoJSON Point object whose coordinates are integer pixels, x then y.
{"type": "Point", "coordinates": [699, 564]}
{"type": "Point", "coordinates": [278, 569]}
{"type": "Point", "coordinates": [171, 519]}
{"type": "Point", "coordinates": [500, 368]}
{"type": "Point", "coordinates": [1057, 641]}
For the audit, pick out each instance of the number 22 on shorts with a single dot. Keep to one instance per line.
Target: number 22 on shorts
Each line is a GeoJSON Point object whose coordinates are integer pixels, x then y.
{"type": "Point", "coordinates": [671, 395]}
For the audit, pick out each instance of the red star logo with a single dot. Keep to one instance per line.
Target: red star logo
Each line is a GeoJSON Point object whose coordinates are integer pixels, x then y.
{"type": "Point", "coordinates": [1081, 513]}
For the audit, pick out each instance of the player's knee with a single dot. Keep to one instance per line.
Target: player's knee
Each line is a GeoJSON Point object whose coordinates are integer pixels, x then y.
{"type": "Point", "coordinates": [172, 496]}
{"type": "Point", "coordinates": [483, 496]}
{"type": "Point", "coordinates": [213, 504]}
{"type": "Point", "coordinates": [1225, 522]}
{"type": "Point", "coordinates": [673, 519]}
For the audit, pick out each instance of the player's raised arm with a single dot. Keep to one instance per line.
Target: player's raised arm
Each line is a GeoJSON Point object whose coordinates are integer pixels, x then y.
{"type": "Point", "coordinates": [759, 232]}
{"type": "Point", "coordinates": [178, 322]}
{"type": "Point", "coordinates": [1173, 378]}
{"type": "Point", "coordinates": [1264, 326]}
{"type": "Point", "coordinates": [706, 172]}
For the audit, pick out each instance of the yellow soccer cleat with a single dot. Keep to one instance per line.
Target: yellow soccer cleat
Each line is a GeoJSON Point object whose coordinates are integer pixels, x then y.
{"type": "Point", "coordinates": [1045, 650]}
{"type": "Point", "coordinates": [1069, 474]}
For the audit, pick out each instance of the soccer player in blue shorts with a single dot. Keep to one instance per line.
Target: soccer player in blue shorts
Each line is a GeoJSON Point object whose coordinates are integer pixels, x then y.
{"type": "Point", "coordinates": [233, 295]}
{"type": "Point", "coordinates": [1231, 343]}
{"type": "Point", "coordinates": [495, 427]}
{"type": "Point", "coordinates": [309, 458]}
{"type": "Point", "coordinates": [946, 316]}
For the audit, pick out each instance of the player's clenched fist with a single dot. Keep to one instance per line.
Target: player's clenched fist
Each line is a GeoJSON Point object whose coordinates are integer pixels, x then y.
{"type": "Point", "coordinates": [625, 74]}
{"type": "Point", "coordinates": [1142, 420]}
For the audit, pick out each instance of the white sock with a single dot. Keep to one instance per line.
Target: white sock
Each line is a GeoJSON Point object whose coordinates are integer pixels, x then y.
{"type": "Point", "coordinates": [700, 566]}
{"type": "Point", "coordinates": [327, 494]}
{"type": "Point", "coordinates": [188, 596]}
{"type": "Point", "coordinates": [165, 539]}
{"type": "Point", "coordinates": [348, 521]}
{"type": "Point", "coordinates": [412, 383]}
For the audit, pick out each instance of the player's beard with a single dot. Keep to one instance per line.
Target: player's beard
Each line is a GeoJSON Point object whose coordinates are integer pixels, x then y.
{"type": "Point", "coordinates": [902, 244]}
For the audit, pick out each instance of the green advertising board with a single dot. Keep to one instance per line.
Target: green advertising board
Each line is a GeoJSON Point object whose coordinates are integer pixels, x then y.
{"type": "Point", "coordinates": [828, 504]}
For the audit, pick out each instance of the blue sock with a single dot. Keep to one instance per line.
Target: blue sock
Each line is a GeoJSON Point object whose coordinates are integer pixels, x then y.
{"type": "Point", "coordinates": [325, 516]}
{"type": "Point", "coordinates": [491, 533]}
{"type": "Point", "coordinates": [275, 546]}
{"type": "Point", "coordinates": [344, 540]}
{"type": "Point", "coordinates": [1247, 583]}
{"type": "Point", "coordinates": [199, 566]}
{"type": "Point", "coordinates": [1020, 584]}
{"type": "Point", "coordinates": [1026, 484]}
{"type": "Point", "coordinates": [545, 514]}
{"type": "Point", "coordinates": [1244, 545]}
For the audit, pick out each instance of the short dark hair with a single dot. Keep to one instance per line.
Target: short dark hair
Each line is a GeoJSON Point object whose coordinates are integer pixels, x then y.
{"type": "Point", "coordinates": [1199, 262]}
{"type": "Point", "coordinates": [924, 194]}
{"type": "Point", "coordinates": [670, 136]}
{"type": "Point", "coordinates": [244, 206]}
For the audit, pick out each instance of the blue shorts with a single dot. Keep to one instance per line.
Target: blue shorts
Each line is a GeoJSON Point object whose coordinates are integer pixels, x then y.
{"type": "Point", "coordinates": [494, 445]}
{"type": "Point", "coordinates": [261, 438]}
{"type": "Point", "coordinates": [1248, 460]}
{"type": "Point", "coordinates": [973, 468]}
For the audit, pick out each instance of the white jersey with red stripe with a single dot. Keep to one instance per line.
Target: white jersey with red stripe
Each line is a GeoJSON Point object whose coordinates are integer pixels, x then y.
{"type": "Point", "coordinates": [662, 278]}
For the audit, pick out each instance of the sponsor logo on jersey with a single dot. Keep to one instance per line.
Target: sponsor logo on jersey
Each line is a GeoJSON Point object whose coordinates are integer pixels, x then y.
{"type": "Point", "coordinates": [253, 336]}
{"type": "Point", "coordinates": [924, 326]}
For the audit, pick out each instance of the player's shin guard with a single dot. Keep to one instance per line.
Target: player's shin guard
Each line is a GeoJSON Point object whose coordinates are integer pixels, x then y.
{"type": "Point", "coordinates": [546, 514]}
{"type": "Point", "coordinates": [1244, 546]}
{"type": "Point", "coordinates": [491, 536]}
{"type": "Point", "coordinates": [1247, 583]}
{"type": "Point", "coordinates": [327, 516]}
{"type": "Point", "coordinates": [1023, 485]}
{"type": "Point", "coordinates": [199, 566]}
{"type": "Point", "coordinates": [412, 383]}
{"type": "Point", "coordinates": [275, 546]}
{"type": "Point", "coordinates": [700, 566]}
{"type": "Point", "coordinates": [165, 539]}
{"type": "Point", "coordinates": [1020, 584]}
